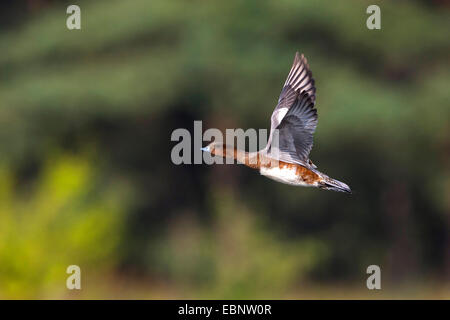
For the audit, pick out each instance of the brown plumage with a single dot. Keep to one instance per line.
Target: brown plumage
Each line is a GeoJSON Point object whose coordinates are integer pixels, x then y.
{"type": "Point", "coordinates": [260, 161]}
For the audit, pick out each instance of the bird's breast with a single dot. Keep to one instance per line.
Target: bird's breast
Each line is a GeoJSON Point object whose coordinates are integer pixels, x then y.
{"type": "Point", "coordinates": [290, 173]}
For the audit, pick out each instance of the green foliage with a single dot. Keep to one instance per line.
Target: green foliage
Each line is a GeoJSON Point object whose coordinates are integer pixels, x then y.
{"type": "Point", "coordinates": [139, 69]}
{"type": "Point", "coordinates": [57, 223]}
{"type": "Point", "coordinates": [237, 257]}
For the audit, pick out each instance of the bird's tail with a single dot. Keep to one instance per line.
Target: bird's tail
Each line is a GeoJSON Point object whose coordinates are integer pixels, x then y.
{"type": "Point", "coordinates": [335, 185]}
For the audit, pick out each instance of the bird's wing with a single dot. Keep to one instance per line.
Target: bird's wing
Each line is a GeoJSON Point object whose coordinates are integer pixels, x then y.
{"type": "Point", "coordinates": [300, 77]}
{"type": "Point", "coordinates": [295, 132]}
{"type": "Point", "coordinates": [299, 80]}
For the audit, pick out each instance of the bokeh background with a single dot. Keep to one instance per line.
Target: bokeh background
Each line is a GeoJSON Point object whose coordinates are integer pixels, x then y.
{"type": "Point", "coordinates": [86, 176]}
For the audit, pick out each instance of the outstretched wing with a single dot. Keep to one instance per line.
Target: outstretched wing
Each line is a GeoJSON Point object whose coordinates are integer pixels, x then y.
{"type": "Point", "coordinates": [299, 81]}
{"type": "Point", "coordinates": [295, 132]}
{"type": "Point", "coordinates": [300, 78]}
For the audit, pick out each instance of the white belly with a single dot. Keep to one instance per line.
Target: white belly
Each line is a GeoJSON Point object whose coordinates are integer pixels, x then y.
{"type": "Point", "coordinates": [284, 175]}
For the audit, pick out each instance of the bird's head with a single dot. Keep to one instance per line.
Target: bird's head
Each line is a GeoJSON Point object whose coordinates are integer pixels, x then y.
{"type": "Point", "coordinates": [219, 149]}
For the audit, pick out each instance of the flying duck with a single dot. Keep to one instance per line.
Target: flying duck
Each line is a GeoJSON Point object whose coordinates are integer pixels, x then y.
{"type": "Point", "coordinates": [286, 156]}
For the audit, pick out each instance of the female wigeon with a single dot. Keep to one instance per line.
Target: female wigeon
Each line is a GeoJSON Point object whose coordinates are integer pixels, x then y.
{"type": "Point", "coordinates": [293, 122]}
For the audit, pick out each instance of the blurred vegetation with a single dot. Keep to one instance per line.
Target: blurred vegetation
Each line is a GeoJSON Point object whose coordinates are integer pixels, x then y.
{"type": "Point", "coordinates": [108, 96]}
{"type": "Point", "coordinates": [63, 219]}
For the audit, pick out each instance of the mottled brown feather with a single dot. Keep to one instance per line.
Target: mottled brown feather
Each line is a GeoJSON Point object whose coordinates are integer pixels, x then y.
{"type": "Point", "coordinates": [245, 158]}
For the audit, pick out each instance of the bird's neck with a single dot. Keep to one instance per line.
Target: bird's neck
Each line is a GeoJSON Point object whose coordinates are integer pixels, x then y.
{"type": "Point", "coordinates": [250, 159]}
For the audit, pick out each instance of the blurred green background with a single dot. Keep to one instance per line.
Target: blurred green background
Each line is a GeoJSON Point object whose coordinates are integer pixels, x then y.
{"type": "Point", "coordinates": [85, 170]}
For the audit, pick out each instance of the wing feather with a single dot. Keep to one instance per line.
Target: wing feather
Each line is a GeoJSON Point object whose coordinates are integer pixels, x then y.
{"type": "Point", "coordinates": [298, 91]}
{"type": "Point", "coordinates": [296, 131]}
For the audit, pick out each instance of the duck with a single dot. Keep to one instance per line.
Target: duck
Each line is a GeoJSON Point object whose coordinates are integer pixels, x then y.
{"type": "Point", "coordinates": [285, 158]}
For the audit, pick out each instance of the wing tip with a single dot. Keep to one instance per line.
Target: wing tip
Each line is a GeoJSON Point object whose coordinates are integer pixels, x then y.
{"type": "Point", "coordinates": [299, 58]}
{"type": "Point", "coordinates": [299, 67]}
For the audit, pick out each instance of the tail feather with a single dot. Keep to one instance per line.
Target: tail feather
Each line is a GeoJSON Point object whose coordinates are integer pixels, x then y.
{"type": "Point", "coordinates": [335, 185]}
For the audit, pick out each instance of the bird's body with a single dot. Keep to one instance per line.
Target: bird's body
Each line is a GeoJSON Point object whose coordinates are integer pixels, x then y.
{"type": "Point", "coordinates": [291, 173]}
{"type": "Point", "coordinates": [286, 157]}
